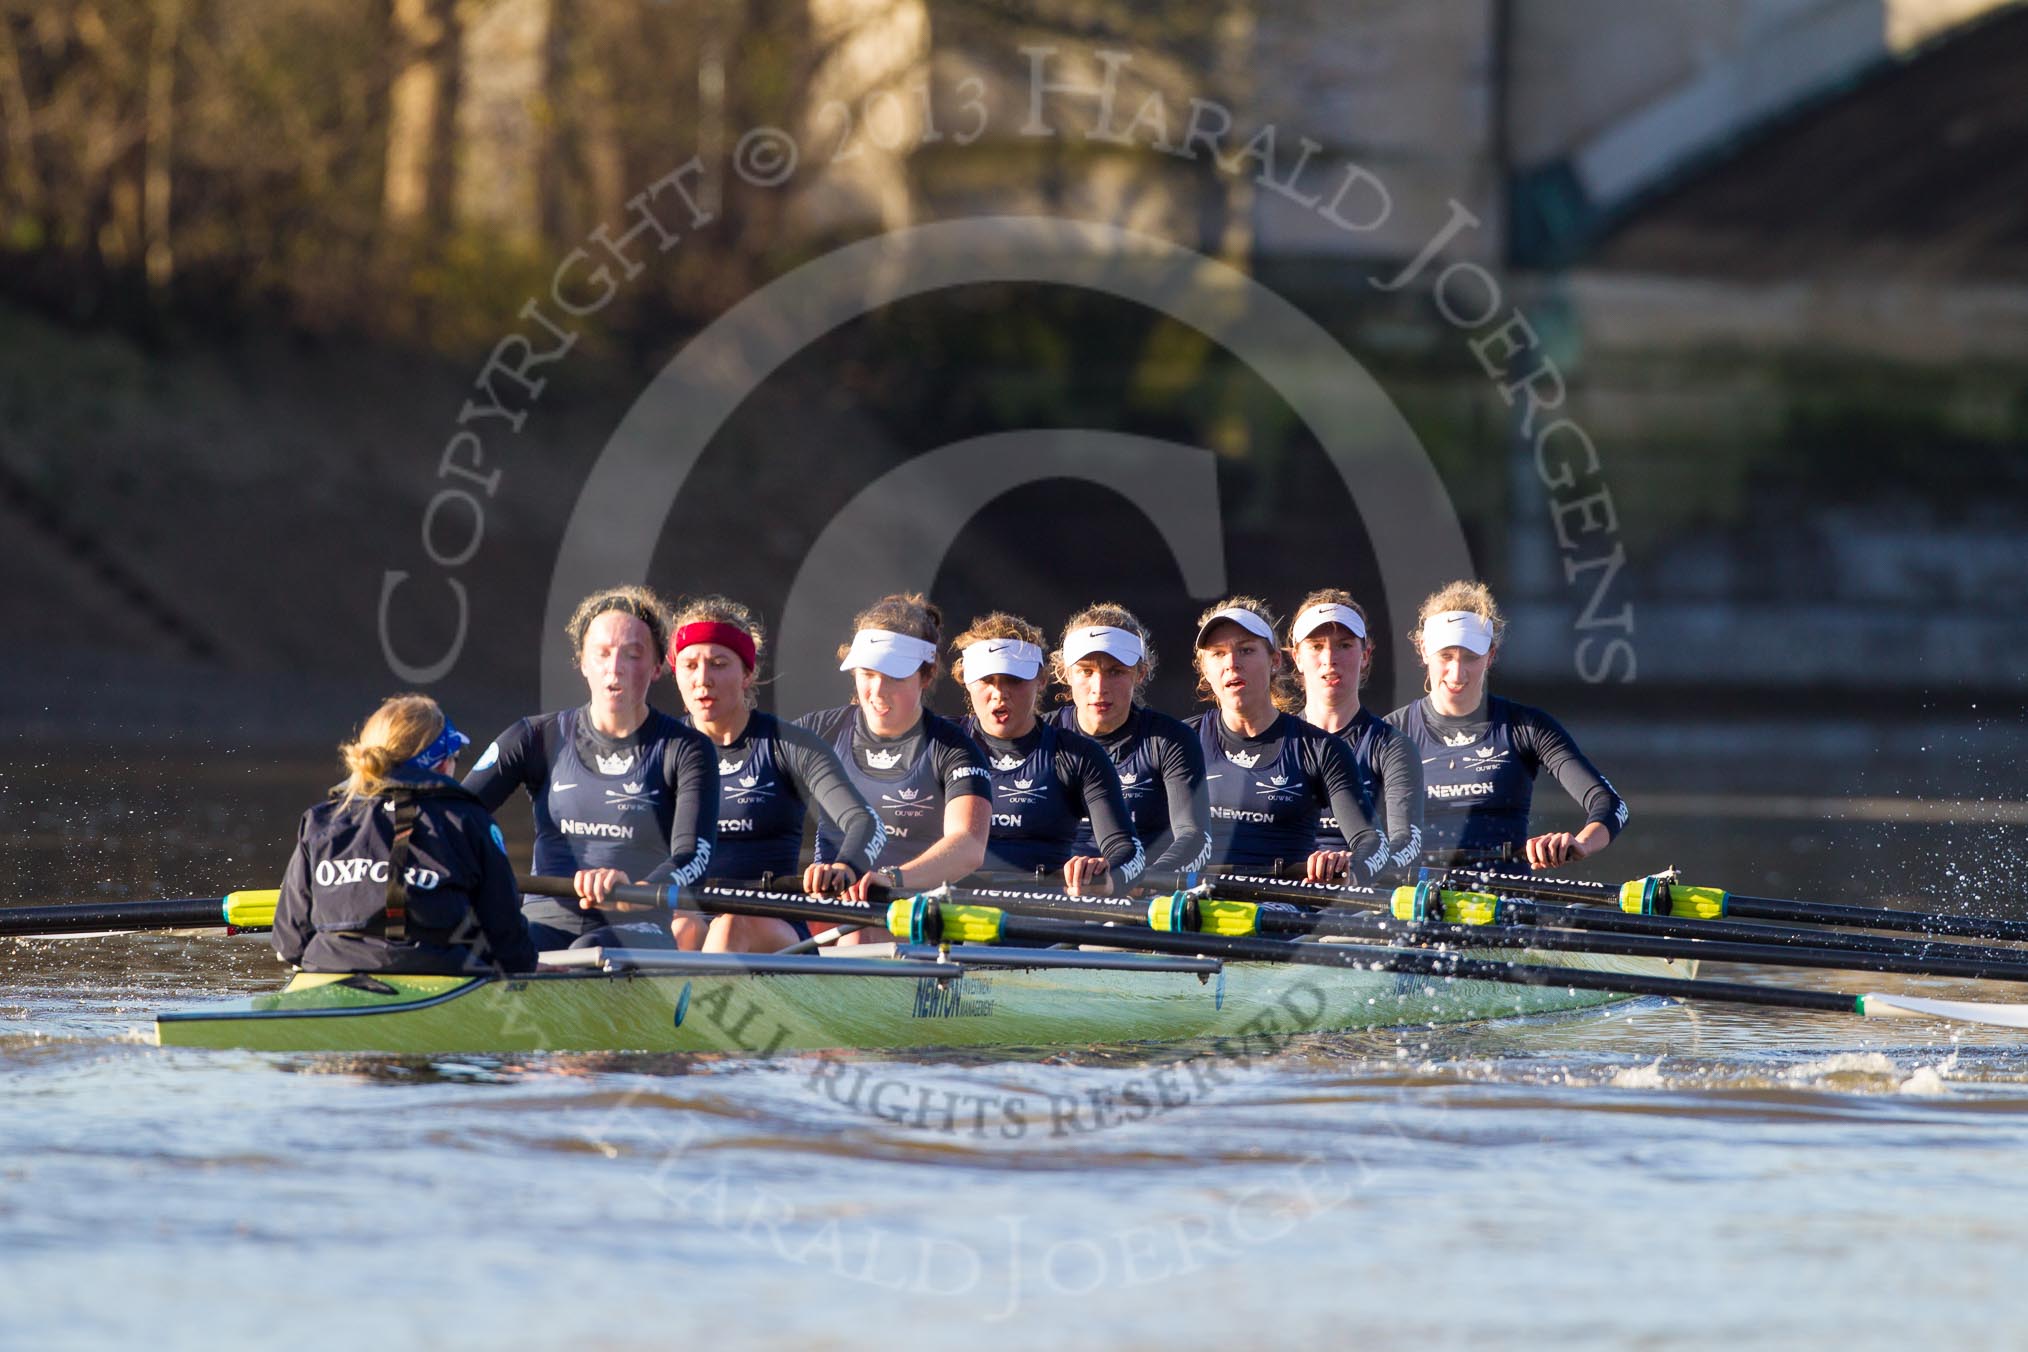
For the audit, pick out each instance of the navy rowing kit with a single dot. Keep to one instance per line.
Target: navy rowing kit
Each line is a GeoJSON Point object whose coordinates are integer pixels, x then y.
{"type": "Point", "coordinates": [415, 879]}
{"type": "Point", "coordinates": [1479, 773]}
{"type": "Point", "coordinates": [1267, 793]}
{"type": "Point", "coordinates": [645, 804]}
{"type": "Point", "coordinates": [1390, 788]}
{"type": "Point", "coordinates": [1161, 770]}
{"type": "Point", "coordinates": [767, 779]}
{"type": "Point", "coordinates": [1045, 783]}
{"type": "Point", "coordinates": [907, 779]}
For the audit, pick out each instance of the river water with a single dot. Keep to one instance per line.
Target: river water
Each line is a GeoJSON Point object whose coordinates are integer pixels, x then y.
{"type": "Point", "coordinates": [1654, 1175]}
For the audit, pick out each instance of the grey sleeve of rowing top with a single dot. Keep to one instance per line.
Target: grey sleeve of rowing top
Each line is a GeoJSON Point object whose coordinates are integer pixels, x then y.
{"type": "Point", "coordinates": [821, 780]}
{"type": "Point", "coordinates": [1182, 764]}
{"type": "Point", "coordinates": [692, 767]}
{"type": "Point", "coordinates": [290, 933]}
{"type": "Point", "coordinates": [1402, 785]}
{"type": "Point", "coordinates": [1538, 735]}
{"type": "Point", "coordinates": [1341, 786]}
{"type": "Point", "coordinates": [1085, 763]}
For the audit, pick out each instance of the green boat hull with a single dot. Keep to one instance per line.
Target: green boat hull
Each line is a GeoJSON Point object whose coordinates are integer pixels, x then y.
{"type": "Point", "coordinates": [747, 1013]}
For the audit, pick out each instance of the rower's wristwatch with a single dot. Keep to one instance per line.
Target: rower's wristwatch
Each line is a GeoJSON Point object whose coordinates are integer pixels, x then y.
{"type": "Point", "coordinates": [893, 875]}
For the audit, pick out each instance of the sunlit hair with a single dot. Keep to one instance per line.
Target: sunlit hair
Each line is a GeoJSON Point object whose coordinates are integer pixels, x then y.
{"type": "Point", "coordinates": [1113, 616]}
{"type": "Point", "coordinates": [639, 602]}
{"type": "Point", "coordinates": [909, 613]}
{"type": "Point", "coordinates": [1336, 596]}
{"type": "Point", "coordinates": [999, 624]}
{"type": "Point", "coordinates": [398, 730]}
{"type": "Point", "coordinates": [1475, 597]}
{"type": "Point", "coordinates": [1279, 685]}
{"type": "Point", "coordinates": [724, 610]}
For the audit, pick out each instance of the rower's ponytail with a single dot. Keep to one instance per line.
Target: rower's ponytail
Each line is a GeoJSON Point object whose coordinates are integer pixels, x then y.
{"type": "Point", "coordinates": [394, 733]}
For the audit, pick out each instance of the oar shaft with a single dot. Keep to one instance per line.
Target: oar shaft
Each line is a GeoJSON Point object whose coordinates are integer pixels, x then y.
{"type": "Point", "coordinates": [1775, 908]}
{"type": "Point", "coordinates": [1058, 918]}
{"type": "Point", "coordinates": [1526, 911]}
{"type": "Point", "coordinates": [1637, 946]}
{"type": "Point", "coordinates": [1877, 917]}
{"type": "Point", "coordinates": [1580, 929]}
{"type": "Point", "coordinates": [1624, 983]}
{"type": "Point", "coordinates": [1252, 887]}
{"type": "Point", "coordinates": [113, 915]}
{"type": "Point", "coordinates": [1344, 956]}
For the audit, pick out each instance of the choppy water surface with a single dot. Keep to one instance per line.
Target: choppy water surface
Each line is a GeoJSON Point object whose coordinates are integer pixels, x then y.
{"type": "Point", "coordinates": [1656, 1175]}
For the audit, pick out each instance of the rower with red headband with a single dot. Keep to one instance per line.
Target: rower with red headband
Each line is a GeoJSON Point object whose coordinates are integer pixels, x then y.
{"type": "Point", "coordinates": [621, 791]}
{"type": "Point", "coordinates": [1481, 753]}
{"type": "Point", "coordinates": [769, 774]}
{"type": "Point", "coordinates": [1270, 774]}
{"type": "Point", "coordinates": [1333, 654]}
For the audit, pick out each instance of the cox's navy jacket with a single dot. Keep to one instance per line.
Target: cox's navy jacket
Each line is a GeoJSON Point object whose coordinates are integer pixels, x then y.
{"type": "Point", "coordinates": [463, 913]}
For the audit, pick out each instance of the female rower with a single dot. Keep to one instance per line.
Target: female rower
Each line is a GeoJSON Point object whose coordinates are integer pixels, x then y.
{"type": "Point", "coordinates": [1106, 659]}
{"type": "Point", "coordinates": [1481, 753]}
{"type": "Point", "coordinates": [1271, 775]}
{"type": "Point", "coordinates": [769, 772]}
{"type": "Point", "coordinates": [1333, 655]}
{"type": "Point", "coordinates": [1046, 778]}
{"type": "Point", "coordinates": [402, 869]}
{"type": "Point", "coordinates": [621, 792]}
{"type": "Point", "coordinates": [925, 778]}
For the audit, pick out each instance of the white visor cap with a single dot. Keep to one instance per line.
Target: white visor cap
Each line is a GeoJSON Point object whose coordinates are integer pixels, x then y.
{"type": "Point", "coordinates": [1002, 657]}
{"type": "Point", "coordinates": [1323, 613]}
{"type": "Point", "coordinates": [1457, 629]}
{"type": "Point", "coordinates": [1122, 645]}
{"type": "Point", "coordinates": [889, 653]}
{"type": "Point", "coordinates": [1241, 616]}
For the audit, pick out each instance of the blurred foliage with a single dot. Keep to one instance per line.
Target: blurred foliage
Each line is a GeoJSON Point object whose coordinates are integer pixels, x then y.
{"type": "Point", "coordinates": [323, 163]}
{"type": "Point", "coordinates": [216, 160]}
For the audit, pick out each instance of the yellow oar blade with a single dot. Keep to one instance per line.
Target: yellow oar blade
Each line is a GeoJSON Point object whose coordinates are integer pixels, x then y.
{"type": "Point", "coordinates": [251, 910]}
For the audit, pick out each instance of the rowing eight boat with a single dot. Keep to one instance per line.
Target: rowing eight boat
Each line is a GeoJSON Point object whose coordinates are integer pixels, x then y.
{"type": "Point", "coordinates": [914, 998]}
